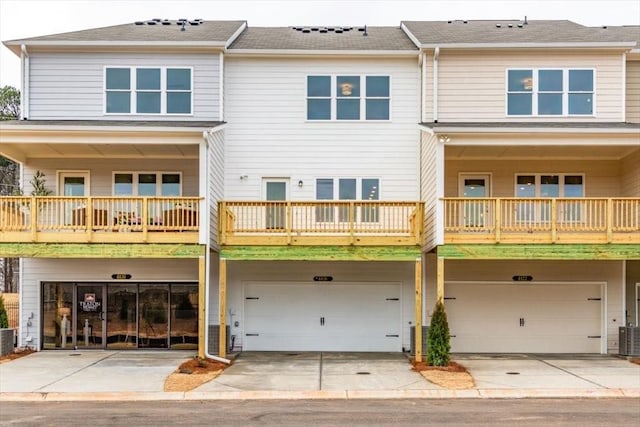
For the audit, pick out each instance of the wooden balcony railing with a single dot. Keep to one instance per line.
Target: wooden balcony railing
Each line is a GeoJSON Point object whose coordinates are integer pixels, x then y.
{"type": "Point", "coordinates": [542, 220]}
{"type": "Point", "coordinates": [320, 223]}
{"type": "Point", "coordinates": [63, 219]}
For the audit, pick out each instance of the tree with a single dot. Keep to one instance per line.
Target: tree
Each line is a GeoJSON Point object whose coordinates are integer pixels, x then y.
{"type": "Point", "coordinates": [4, 319]}
{"type": "Point", "coordinates": [439, 339]}
{"type": "Point", "coordinates": [9, 185]}
{"type": "Point", "coordinates": [9, 103]}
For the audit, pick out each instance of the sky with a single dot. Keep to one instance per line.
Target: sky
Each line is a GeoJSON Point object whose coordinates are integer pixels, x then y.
{"type": "Point", "coordinates": [30, 18]}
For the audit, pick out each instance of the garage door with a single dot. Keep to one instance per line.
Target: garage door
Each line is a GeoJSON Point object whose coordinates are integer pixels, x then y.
{"type": "Point", "coordinates": [322, 317]}
{"type": "Point", "coordinates": [524, 318]}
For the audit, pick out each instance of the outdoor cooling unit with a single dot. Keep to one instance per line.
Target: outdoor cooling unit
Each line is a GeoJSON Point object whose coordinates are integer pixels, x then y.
{"type": "Point", "coordinates": [214, 339]}
{"type": "Point", "coordinates": [425, 334]}
{"type": "Point", "coordinates": [629, 340]}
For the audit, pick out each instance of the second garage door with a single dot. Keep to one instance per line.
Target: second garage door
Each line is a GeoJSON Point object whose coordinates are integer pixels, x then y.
{"type": "Point", "coordinates": [524, 318]}
{"type": "Point", "coordinates": [322, 317]}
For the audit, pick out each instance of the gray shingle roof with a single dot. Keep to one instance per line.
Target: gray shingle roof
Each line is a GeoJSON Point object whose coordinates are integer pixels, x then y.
{"type": "Point", "coordinates": [207, 31]}
{"type": "Point", "coordinates": [509, 32]}
{"type": "Point", "coordinates": [624, 32]}
{"type": "Point", "coordinates": [290, 38]}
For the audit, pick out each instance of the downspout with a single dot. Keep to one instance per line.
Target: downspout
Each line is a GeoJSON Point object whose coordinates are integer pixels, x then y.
{"type": "Point", "coordinates": [207, 256]}
{"type": "Point", "coordinates": [436, 54]}
{"type": "Point", "coordinates": [423, 87]}
{"type": "Point", "coordinates": [24, 81]}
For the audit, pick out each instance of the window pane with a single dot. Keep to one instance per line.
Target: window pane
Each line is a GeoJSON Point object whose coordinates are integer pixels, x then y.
{"type": "Point", "coordinates": [118, 102]}
{"type": "Point", "coordinates": [318, 109]}
{"type": "Point", "coordinates": [370, 189]}
{"type": "Point", "coordinates": [147, 184]}
{"type": "Point", "coordinates": [550, 103]}
{"type": "Point", "coordinates": [520, 80]}
{"type": "Point", "coordinates": [179, 102]}
{"type": "Point", "coordinates": [348, 86]}
{"type": "Point", "coordinates": [324, 189]}
{"type": "Point", "coordinates": [178, 79]}
{"type": "Point", "coordinates": [319, 86]}
{"type": "Point", "coordinates": [118, 78]}
{"type": "Point", "coordinates": [581, 80]}
{"type": "Point", "coordinates": [378, 86]}
{"type": "Point", "coordinates": [549, 186]}
{"type": "Point", "coordinates": [377, 109]}
{"type": "Point", "coordinates": [170, 184]}
{"type": "Point", "coordinates": [347, 189]}
{"type": "Point", "coordinates": [123, 184]}
{"type": "Point", "coordinates": [148, 102]}
{"type": "Point", "coordinates": [519, 104]}
{"type": "Point", "coordinates": [580, 103]}
{"type": "Point", "coordinates": [148, 79]}
{"type": "Point", "coordinates": [573, 186]}
{"type": "Point", "coordinates": [526, 186]}
{"type": "Point", "coordinates": [550, 80]}
{"type": "Point", "coordinates": [348, 109]}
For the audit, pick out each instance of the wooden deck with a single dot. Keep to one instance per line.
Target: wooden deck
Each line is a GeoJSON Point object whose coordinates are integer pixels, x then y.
{"type": "Point", "coordinates": [542, 220]}
{"type": "Point", "coordinates": [61, 219]}
{"type": "Point", "coordinates": [321, 223]}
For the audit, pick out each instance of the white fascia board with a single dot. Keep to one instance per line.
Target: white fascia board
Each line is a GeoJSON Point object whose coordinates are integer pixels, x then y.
{"type": "Point", "coordinates": [526, 130]}
{"type": "Point", "coordinates": [409, 34]}
{"type": "Point", "coordinates": [552, 45]}
{"type": "Point", "coordinates": [235, 35]}
{"type": "Point", "coordinates": [95, 44]}
{"type": "Point", "coordinates": [310, 52]}
{"type": "Point", "coordinates": [103, 129]}
{"type": "Point", "coordinates": [427, 129]}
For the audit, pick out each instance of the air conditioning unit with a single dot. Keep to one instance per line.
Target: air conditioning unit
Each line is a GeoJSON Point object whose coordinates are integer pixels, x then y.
{"type": "Point", "coordinates": [214, 339]}
{"type": "Point", "coordinates": [425, 334]}
{"type": "Point", "coordinates": [629, 340]}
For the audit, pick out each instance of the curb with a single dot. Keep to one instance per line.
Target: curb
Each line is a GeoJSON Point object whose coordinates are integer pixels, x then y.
{"type": "Point", "coordinates": [322, 394]}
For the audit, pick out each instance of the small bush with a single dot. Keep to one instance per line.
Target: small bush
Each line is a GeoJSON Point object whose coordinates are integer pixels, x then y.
{"type": "Point", "coordinates": [438, 338]}
{"type": "Point", "coordinates": [4, 319]}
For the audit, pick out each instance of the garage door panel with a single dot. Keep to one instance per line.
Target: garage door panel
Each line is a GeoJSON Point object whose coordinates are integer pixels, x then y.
{"type": "Point", "coordinates": [323, 317]}
{"type": "Point", "coordinates": [524, 317]}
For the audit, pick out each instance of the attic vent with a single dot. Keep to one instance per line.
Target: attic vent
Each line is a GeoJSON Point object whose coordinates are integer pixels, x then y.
{"type": "Point", "coordinates": [139, 22]}
{"type": "Point", "coordinates": [510, 25]}
{"type": "Point", "coordinates": [151, 22]}
{"type": "Point", "coordinates": [520, 25]}
{"type": "Point", "coordinates": [465, 22]}
{"type": "Point", "coordinates": [498, 25]}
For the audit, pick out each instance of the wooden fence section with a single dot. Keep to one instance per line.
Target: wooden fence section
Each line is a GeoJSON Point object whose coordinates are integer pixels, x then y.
{"type": "Point", "coordinates": [96, 219]}
{"type": "Point", "coordinates": [12, 306]}
{"type": "Point", "coordinates": [543, 220]}
{"type": "Point", "coordinates": [320, 223]}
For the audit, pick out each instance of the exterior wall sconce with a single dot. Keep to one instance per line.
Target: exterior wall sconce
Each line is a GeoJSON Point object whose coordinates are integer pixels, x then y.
{"type": "Point", "coordinates": [300, 184]}
{"type": "Point", "coordinates": [244, 177]}
{"type": "Point", "coordinates": [444, 139]}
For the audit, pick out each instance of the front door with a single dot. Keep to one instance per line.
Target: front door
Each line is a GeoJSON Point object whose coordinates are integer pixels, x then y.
{"type": "Point", "coordinates": [276, 191]}
{"type": "Point", "coordinates": [91, 318]}
{"type": "Point", "coordinates": [74, 184]}
{"type": "Point", "coordinates": [475, 211]}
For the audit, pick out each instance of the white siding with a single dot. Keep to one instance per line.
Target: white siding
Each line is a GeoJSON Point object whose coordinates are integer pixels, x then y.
{"type": "Point", "coordinates": [37, 270]}
{"type": "Point", "coordinates": [609, 272]}
{"type": "Point", "coordinates": [100, 170]}
{"type": "Point", "coordinates": [215, 178]}
{"type": "Point", "coordinates": [429, 188]}
{"type": "Point", "coordinates": [633, 91]}
{"type": "Point", "coordinates": [471, 84]}
{"type": "Point", "coordinates": [268, 136]}
{"type": "Point", "coordinates": [69, 86]}
{"type": "Point", "coordinates": [631, 175]}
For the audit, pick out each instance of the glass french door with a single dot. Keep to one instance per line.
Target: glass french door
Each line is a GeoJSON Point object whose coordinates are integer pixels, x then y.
{"type": "Point", "coordinates": [122, 326]}
{"type": "Point", "coordinates": [153, 316]}
{"type": "Point", "coordinates": [475, 212]}
{"type": "Point", "coordinates": [91, 316]}
{"type": "Point", "coordinates": [74, 184]}
{"type": "Point", "coordinates": [276, 216]}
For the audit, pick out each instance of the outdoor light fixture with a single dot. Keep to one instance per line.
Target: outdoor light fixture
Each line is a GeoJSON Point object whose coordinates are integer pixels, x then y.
{"type": "Point", "coordinates": [300, 184]}
{"type": "Point", "coordinates": [444, 139]}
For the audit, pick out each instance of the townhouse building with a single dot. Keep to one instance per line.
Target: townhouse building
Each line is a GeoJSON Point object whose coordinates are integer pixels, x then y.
{"type": "Point", "coordinates": [224, 187]}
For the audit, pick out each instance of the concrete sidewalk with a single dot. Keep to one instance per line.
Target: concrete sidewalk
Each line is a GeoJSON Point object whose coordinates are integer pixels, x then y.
{"type": "Point", "coordinates": [140, 375]}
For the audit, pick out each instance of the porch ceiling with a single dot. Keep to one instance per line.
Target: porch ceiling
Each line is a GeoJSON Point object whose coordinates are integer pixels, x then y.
{"type": "Point", "coordinates": [525, 152]}
{"type": "Point", "coordinates": [91, 150]}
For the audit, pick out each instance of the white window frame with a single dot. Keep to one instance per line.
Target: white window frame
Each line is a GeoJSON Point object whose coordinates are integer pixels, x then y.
{"type": "Point", "coordinates": [336, 187]}
{"type": "Point", "coordinates": [334, 97]}
{"type": "Point", "coordinates": [535, 91]}
{"type": "Point", "coordinates": [537, 184]}
{"type": "Point", "coordinates": [135, 175]}
{"type": "Point", "coordinates": [134, 90]}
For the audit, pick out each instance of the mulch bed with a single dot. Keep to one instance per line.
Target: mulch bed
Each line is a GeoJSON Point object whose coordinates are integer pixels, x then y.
{"type": "Point", "coordinates": [17, 353]}
{"type": "Point", "coordinates": [452, 367]}
{"type": "Point", "coordinates": [200, 366]}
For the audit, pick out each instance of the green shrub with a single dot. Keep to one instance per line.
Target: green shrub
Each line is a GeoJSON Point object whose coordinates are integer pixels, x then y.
{"type": "Point", "coordinates": [4, 319]}
{"type": "Point", "coordinates": [438, 338]}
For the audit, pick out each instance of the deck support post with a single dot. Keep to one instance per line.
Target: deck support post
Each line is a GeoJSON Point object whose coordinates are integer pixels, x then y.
{"type": "Point", "coordinates": [418, 310]}
{"type": "Point", "coordinates": [440, 280]}
{"type": "Point", "coordinates": [222, 308]}
{"type": "Point", "coordinates": [202, 264]}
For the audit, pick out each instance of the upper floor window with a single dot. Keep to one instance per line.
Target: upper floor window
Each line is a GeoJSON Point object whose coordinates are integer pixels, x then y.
{"type": "Point", "coordinates": [348, 97]}
{"type": "Point", "coordinates": [148, 90]}
{"type": "Point", "coordinates": [550, 92]}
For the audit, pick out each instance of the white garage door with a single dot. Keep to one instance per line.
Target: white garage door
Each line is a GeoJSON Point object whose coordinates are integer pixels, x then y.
{"type": "Point", "coordinates": [322, 317]}
{"type": "Point", "coordinates": [524, 317]}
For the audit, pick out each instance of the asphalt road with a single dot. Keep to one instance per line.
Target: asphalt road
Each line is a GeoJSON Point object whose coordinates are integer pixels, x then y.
{"type": "Point", "coordinates": [458, 412]}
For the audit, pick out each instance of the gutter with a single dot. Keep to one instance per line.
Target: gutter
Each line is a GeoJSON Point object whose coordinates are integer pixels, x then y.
{"type": "Point", "coordinates": [25, 82]}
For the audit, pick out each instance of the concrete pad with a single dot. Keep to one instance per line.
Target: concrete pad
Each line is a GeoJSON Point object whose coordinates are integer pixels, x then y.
{"type": "Point", "coordinates": [607, 372]}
